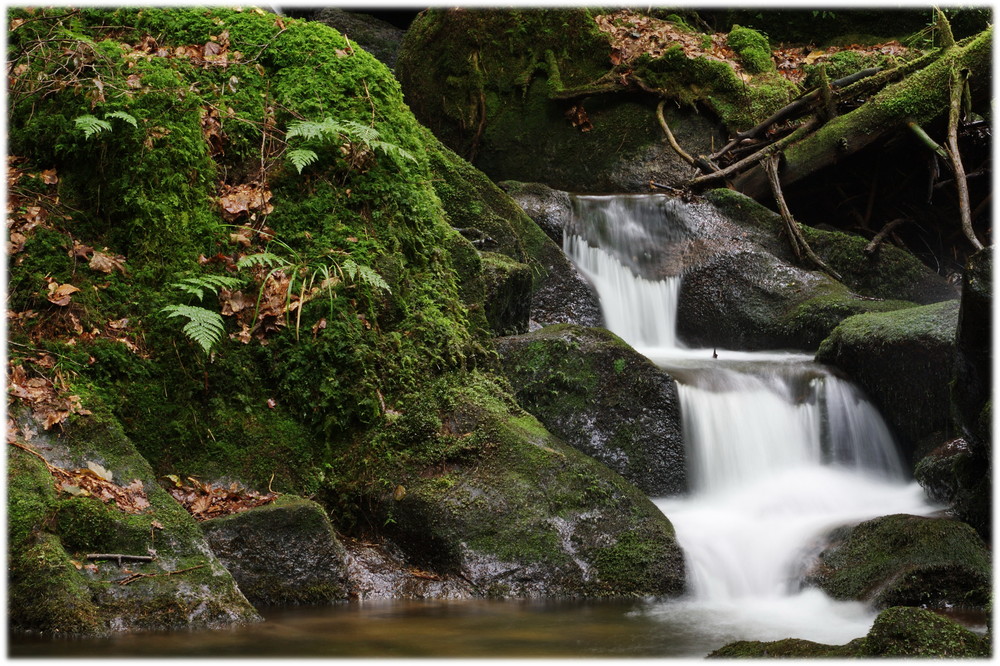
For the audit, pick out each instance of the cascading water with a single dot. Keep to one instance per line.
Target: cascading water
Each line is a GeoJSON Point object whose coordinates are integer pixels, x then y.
{"type": "Point", "coordinates": [780, 450]}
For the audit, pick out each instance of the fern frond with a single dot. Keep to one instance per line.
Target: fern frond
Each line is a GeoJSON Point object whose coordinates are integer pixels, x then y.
{"type": "Point", "coordinates": [197, 286]}
{"type": "Point", "coordinates": [121, 115]}
{"type": "Point", "coordinates": [308, 129]}
{"type": "Point", "coordinates": [359, 132]}
{"type": "Point", "coordinates": [204, 326]}
{"type": "Point", "coordinates": [362, 273]}
{"type": "Point", "coordinates": [302, 157]}
{"type": "Point", "coordinates": [91, 125]}
{"type": "Point", "coordinates": [266, 259]}
{"type": "Point", "coordinates": [392, 150]}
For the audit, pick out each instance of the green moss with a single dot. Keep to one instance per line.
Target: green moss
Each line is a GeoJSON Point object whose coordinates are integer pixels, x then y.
{"type": "Point", "coordinates": [914, 632]}
{"type": "Point", "coordinates": [752, 48]}
{"type": "Point", "coordinates": [934, 322]}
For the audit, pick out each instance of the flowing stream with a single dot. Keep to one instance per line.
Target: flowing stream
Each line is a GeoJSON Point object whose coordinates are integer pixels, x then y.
{"type": "Point", "coordinates": [779, 449]}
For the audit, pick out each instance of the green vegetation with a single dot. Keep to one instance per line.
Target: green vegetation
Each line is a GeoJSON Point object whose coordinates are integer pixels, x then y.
{"type": "Point", "coordinates": [753, 49]}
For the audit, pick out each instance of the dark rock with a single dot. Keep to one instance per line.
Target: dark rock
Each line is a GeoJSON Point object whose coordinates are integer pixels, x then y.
{"type": "Point", "coordinates": [559, 293]}
{"type": "Point", "coordinates": [903, 360]}
{"type": "Point", "coordinates": [603, 398]}
{"type": "Point", "coordinates": [380, 571]}
{"type": "Point", "coordinates": [283, 553]}
{"type": "Point", "coordinates": [520, 513]}
{"type": "Point", "coordinates": [50, 533]}
{"type": "Point", "coordinates": [905, 560]}
{"type": "Point", "coordinates": [374, 35]}
{"type": "Point", "coordinates": [508, 294]}
{"type": "Point", "coordinates": [550, 209]}
{"type": "Point", "coordinates": [954, 475]}
{"type": "Point", "coordinates": [974, 354]}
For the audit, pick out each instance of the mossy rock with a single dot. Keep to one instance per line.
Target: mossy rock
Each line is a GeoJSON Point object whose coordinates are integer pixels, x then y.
{"type": "Point", "coordinates": [914, 632]}
{"type": "Point", "coordinates": [473, 202]}
{"type": "Point", "coordinates": [890, 274]}
{"type": "Point", "coordinates": [508, 294]}
{"type": "Point", "coordinates": [282, 553]}
{"type": "Point", "coordinates": [974, 352]}
{"type": "Point", "coordinates": [953, 474]}
{"type": "Point", "coordinates": [516, 512]}
{"type": "Point", "coordinates": [550, 209]}
{"type": "Point", "coordinates": [903, 560]}
{"type": "Point", "coordinates": [55, 591]}
{"type": "Point", "coordinates": [374, 35]}
{"type": "Point", "coordinates": [483, 81]}
{"type": "Point", "coordinates": [600, 396]}
{"type": "Point", "coordinates": [899, 632]}
{"type": "Point", "coordinates": [752, 47]}
{"type": "Point", "coordinates": [903, 360]}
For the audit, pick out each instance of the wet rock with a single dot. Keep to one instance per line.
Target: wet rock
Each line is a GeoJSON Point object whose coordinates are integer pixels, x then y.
{"type": "Point", "coordinates": [603, 398]}
{"type": "Point", "coordinates": [54, 590]}
{"type": "Point", "coordinates": [559, 293]}
{"type": "Point", "coordinates": [380, 571]}
{"type": "Point", "coordinates": [514, 511]}
{"type": "Point", "coordinates": [508, 293]}
{"type": "Point", "coordinates": [903, 360]}
{"type": "Point", "coordinates": [282, 553]}
{"type": "Point", "coordinates": [954, 475]}
{"type": "Point", "coordinates": [903, 560]}
{"type": "Point", "coordinates": [550, 209]}
{"type": "Point", "coordinates": [374, 35]}
{"type": "Point", "coordinates": [897, 632]}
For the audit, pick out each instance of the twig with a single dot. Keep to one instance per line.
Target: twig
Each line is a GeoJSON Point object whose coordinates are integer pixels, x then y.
{"type": "Point", "coordinates": [955, 156]}
{"type": "Point", "coordinates": [670, 136]}
{"type": "Point", "coordinates": [798, 241]}
{"type": "Point", "coordinates": [120, 558]}
{"type": "Point", "coordinates": [927, 140]}
{"type": "Point", "coordinates": [770, 149]}
{"type": "Point", "coordinates": [136, 576]}
{"type": "Point", "coordinates": [881, 235]}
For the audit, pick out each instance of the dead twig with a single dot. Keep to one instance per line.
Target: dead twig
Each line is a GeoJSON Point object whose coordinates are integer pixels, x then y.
{"type": "Point", "coordinates": [881, 235]}
{"type": "Point", "coordinates": [136, 576]}
{"type": "Point", "coordinates": [955, 158]}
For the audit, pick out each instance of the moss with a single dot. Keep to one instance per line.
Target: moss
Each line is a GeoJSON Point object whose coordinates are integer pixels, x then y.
{"type": "Point", "coordinates": [788, 648]}
{"type": "Point", "coordinates": [908, 560]}
{"type": "Point", "coordinates": [507, 294]}
{"type": "Point", "coordinates": [914, 632]}
{"type": "Point", "coordinates": [752, 48]}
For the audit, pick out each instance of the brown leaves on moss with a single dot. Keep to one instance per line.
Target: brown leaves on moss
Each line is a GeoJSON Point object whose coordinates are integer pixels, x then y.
{"type": "Point", "coordinates": [245, 201]}
{"type": "Point", "coordinates": [94, 481]}
{"type": "Point", "coordinates": [205, 501]}
{"type": "Point", "coordinates": [49, 400]}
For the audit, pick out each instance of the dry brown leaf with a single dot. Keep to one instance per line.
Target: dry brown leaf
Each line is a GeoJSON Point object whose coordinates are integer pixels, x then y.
{"type": "Point", "coordinates": [49, 177]}
{"type": "Point", "coordinates": [61, 294]}
{"type": "Point", "coordinates": [107, 263]}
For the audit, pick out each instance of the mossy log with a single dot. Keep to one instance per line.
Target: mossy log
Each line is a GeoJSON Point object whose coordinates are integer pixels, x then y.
{"type": "Point", "coordinates": [920, 97]}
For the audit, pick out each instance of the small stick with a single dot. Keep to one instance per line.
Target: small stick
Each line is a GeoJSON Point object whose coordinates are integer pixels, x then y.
{"type": "Point", "coordinates": [119, 557]}
{"type": "Point", "coordinates": [880, 236]}
{"type": "Point", "coordinates": [136, 576]}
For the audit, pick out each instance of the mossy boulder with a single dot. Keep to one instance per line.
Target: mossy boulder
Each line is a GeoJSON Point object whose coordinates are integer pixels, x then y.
{"type": "Point", "coordinates": [374, 35]}
{"type": "Point", "coordinates": [507, 296]}
{"type": "Point", "coordinates": [903, 360]}
{"type": "Point", "coordinates": [550, 209]}
{"type": "Point", "coordinates": [955, 476]}
{"type": "Point", "coordinates": [486, 213]}
{"type": "Point", "coordinates": [903, 560]}
{"type": "Point", "coordinates": [974, 353]}
{"type": "Point", "coordinates": [600, 396]}
{"type": "Point", "coordinates": [282, 553]}
{"type": "Point", "coordinates": [55, 591]}
{"type": "Point", "coordinates": [899, 632]}
{"type": "Point", "coordinates": [752, 48]}
{"type": "Point", "coordinates": [516, 512]}
{"type": "Point", "coordinates": [487, 81]}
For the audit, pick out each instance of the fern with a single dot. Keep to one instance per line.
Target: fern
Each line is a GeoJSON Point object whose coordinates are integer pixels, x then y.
{"type": "Point", "coordinates": [91, 125]}
{"type": "Point", "coordinates": [330, 130]}
{"type": "Point", "coordinates": [365, 274]}
{"type": "Point", "coordinates": [121, 115]}
{"type": "Point", "coordinates": [204, 326]}
{"type": "Point", "coordinates": [267, 259]}
{"type": "Point", "coordinates": [302, 158]}
{"type": "Point", "coordinates": [197, 286]}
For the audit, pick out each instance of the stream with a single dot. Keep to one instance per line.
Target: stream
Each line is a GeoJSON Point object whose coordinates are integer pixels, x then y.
{"type": "Point", "coordinates": [780, 450]}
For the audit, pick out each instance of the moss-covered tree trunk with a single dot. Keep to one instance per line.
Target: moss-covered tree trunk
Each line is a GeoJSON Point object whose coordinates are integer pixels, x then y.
{"type": "Point", "coordinates": [920, 97]}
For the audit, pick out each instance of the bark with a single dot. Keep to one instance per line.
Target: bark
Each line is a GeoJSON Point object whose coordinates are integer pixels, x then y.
{"type": "Point", "coordinates": [920, 97]}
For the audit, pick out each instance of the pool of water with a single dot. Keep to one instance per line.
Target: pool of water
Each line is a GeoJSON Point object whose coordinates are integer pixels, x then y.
{"type": "Point", "coordinates": [396, 629]}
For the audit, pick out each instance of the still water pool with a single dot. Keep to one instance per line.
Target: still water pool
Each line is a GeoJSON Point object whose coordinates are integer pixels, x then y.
{"type": "Point", "coordinates": [400, 629]}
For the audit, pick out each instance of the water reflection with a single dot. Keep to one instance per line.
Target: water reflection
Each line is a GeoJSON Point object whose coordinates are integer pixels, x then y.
{"type": "Point", "coordinates": [466, 628]}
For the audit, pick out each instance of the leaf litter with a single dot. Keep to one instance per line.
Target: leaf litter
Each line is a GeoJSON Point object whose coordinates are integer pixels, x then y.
{"type": "Point", "coordinates": [206, 500]}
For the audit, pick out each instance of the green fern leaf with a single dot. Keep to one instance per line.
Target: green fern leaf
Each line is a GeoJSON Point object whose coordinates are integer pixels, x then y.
{"type": "Point", "coordinates": [266, 259]}
{"type": "Point", "coordinates": [308, 129]}
{"type": "Point", "coordinates": [204, 327]}
{"type": "Point", "coordinates": [91, 125]}
{"type": "Point", "coordinates": [392, 150]}
{"type": "Point", "coordinates": [358, 132]}
{"type": "Point", "coordinates": [127, 117]}
{"type": "Point", "coordinates": [362, 273]}
{"type": "Point", "coordinates": [302, 158]}
{"type": "Point", "coordinates": [197, 286]}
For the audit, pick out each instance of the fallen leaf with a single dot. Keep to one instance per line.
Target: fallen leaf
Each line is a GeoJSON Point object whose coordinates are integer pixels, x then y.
{"type": "Point", "coordinates": [61, 294]}
{"type": "Point", "coordinates": [271, 404]}
{"type": "Point", "coordinates": [99, 470]}
{"type": "Point", "coordinates": [156, 525]}
{"type": "Point", "coordinates": [49, 177]}
{"type": "Point", "coordinates": [106, 263]}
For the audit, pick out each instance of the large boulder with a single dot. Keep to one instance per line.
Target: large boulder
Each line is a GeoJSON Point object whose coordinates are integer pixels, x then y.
{"type": "Point", "coordinates": [488, 82]}
{"type": "Point", "coordinates": [549, 208]}
{"type": "Point", "coordinates": [282, 553]}
{"type": "Point", "coordinates": [603, 398]}
{"type": "Point", "coordinates": [903, 360]}
{"type": "Point", "coordinates": [903, 560]}
{"type": "Point", "coordinates": [516, 512]}
{"type": "Point", "coordinates": [88, 492]}
{"type": "Point", "coordinates": [374, 35]}
{"type": "Point", "coordinates": [898, 632]}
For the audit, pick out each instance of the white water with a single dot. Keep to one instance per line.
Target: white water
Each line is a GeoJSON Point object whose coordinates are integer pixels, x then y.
{"type": "Point", "coordinates": [779, 449]}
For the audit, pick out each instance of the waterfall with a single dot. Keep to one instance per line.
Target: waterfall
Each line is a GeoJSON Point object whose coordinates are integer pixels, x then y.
{"type": "Point", "coordinates": [780, 449]}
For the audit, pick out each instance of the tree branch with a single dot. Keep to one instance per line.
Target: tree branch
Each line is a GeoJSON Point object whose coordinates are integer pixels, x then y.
{"type": "Point", "coordinates": [961, 185]}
